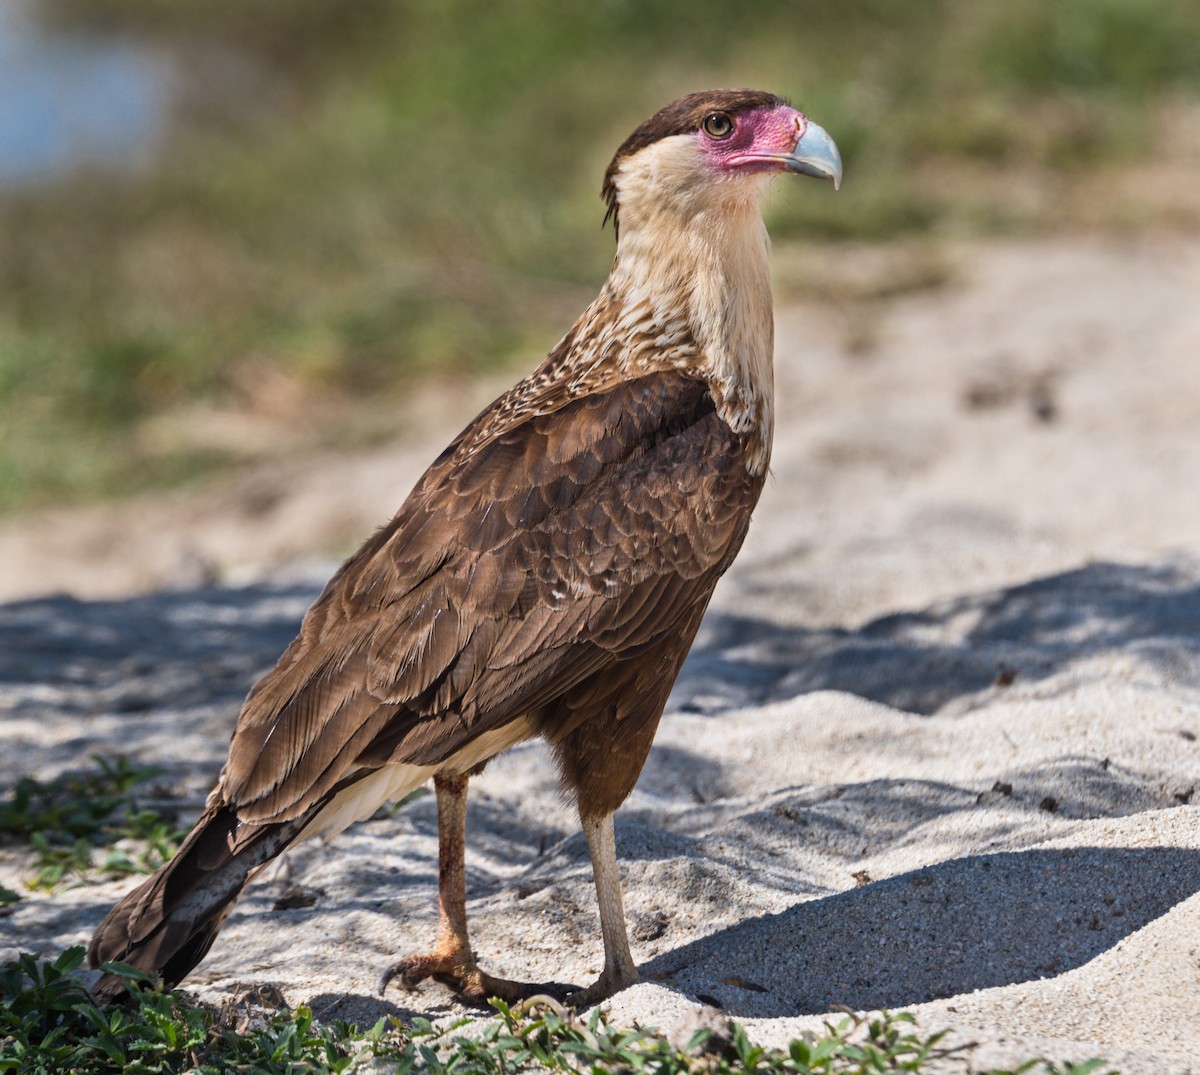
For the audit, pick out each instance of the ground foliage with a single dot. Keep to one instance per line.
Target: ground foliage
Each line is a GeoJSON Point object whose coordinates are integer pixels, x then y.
{"type": "Point", "coordinates": [72, 819]}
{"type": "Point", "coordinates": [49, 1025]}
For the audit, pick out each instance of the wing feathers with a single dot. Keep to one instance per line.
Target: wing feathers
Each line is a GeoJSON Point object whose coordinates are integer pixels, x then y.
{"type": "Point", "coordinates": [519, 568]}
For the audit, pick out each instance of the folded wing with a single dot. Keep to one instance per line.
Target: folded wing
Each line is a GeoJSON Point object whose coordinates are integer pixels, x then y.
{"type": "Point", "coordinates": [563, 543]}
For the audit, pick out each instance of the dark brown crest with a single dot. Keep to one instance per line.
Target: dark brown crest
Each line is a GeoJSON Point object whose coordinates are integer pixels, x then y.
{"type": "Point", "coordinates": [679, 117]}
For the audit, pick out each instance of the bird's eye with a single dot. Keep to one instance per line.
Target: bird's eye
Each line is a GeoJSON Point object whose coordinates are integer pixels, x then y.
{"type": "Point", "coordinates": [717, 125]}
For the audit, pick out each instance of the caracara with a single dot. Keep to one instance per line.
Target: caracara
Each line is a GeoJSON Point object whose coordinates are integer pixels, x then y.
{"type": "Point", "coordinates": [546, 576]}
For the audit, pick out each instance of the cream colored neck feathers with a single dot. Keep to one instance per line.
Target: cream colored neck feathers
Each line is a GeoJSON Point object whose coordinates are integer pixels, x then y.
{"type": "Point", "coordinates": [694, 247]}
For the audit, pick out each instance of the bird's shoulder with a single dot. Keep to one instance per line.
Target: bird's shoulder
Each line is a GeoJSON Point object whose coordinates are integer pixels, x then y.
{"type": "Point", "coordinates": [561, 475]}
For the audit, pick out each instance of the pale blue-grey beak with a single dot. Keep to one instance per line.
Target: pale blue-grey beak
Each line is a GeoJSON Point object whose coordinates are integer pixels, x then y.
{"type": "Point", "coordinates": [817, 155]}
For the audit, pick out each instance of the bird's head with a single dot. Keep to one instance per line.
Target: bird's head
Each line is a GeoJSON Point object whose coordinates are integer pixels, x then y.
{"type": "Point", "coordinates": [714, 148]}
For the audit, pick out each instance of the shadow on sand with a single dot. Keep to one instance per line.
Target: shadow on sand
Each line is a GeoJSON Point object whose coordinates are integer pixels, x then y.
{"type": "Point", "coordinates": [130, 655]}
{"type": "Point", "coordinates": [922, 661]}
{"type": "Point", "coordinates": [966, 924]}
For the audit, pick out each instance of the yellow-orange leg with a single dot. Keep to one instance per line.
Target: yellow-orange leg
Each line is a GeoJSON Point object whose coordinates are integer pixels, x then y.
{"type": "Point", "coordinates": [452, 962]}
{"type": "Point", "coordinates": [620, 970]}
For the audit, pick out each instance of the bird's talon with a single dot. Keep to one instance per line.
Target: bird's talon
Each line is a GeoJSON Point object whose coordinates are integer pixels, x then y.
{"type": "Point", "coordinates": [601, 989]}
{"type": "Point", "coordinates": [411, 971]}
{"type": "Point", "coordinates": [469, 983]}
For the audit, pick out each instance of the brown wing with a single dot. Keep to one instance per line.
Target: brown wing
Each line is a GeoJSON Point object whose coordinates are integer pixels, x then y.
{"type": "Point", "coordinates": [516, 570]}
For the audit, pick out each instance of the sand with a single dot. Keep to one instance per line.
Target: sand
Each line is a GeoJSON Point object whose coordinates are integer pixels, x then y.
{"type": "Point", "coordinates": [937, 746]}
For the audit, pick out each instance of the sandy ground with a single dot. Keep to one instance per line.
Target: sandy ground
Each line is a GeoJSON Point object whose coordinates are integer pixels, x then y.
{"type": "Point", "coordinates": [937, 747]}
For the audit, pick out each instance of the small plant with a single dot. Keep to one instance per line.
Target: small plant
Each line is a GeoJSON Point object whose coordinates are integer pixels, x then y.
{"type": "Point", "coordinates": [65, 819]}
{"type": "Point", "coordinates": [55, 862]}
{"type": "Point", "coordinates": [49, 1024]}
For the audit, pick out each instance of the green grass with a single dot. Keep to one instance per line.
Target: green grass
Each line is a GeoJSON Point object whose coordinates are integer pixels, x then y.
{"type": "Point", "coordinates": [66, 821]}
{"type": "Point", "coordinates": [48, 1025]}
{"type": "Point", "coordinates": [406, 190]}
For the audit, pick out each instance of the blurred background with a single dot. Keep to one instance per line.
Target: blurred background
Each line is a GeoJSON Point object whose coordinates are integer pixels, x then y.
{"type": "Point", "coordinates": [229, 230]}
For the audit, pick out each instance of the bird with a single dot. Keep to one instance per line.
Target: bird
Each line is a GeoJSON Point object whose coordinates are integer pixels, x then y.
{"type": "Point", "coordinates": [546, 576]}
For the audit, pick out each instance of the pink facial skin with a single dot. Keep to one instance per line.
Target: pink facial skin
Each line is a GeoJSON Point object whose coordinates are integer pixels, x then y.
{"type": "Point", "coordinates": [760, 139]}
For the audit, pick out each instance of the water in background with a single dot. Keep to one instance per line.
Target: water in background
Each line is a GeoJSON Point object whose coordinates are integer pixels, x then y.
{"type": "Point", "coordinates": [69, 98]}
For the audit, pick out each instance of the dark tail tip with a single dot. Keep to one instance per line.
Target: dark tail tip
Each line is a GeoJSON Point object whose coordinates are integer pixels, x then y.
{"type": "Point", "coordinates": [167, 924]}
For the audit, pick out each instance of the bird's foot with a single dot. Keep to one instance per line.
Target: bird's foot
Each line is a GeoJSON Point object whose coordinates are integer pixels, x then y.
{"type": "Point", "coordinates": [466, 979]}
{"type": "Point", "coordinates": [609, 982]}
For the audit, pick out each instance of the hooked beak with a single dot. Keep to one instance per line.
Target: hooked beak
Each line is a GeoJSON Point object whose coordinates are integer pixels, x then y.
{"type": "Point", "coordinates": [816, 155]}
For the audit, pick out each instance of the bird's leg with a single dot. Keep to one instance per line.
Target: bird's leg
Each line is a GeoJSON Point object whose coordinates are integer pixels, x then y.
{"type": "Point", "coordinates": [453, 949]}
{"type": "Point", "coordinates": [619, 969]}
{"type": "Point", "coordinates": [452, 962]}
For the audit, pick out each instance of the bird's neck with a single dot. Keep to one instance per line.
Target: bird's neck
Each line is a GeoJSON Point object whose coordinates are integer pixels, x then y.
{"type": "Point", "coordinates": [706, 277]}
{"type": "Point", "coordinates": [685, 293]}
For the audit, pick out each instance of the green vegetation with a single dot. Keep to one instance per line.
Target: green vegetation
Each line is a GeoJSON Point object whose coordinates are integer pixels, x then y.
{"type": "Point", "coordinates": [65, 820]}
{"type": "Point", "coordinates": [48, 1025]}
{"type": "Point", "coordinates": [373, 193]}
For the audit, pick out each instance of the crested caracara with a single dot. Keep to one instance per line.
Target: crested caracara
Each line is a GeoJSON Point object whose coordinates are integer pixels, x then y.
{"type": "Point", "coordinates": [546, 576]}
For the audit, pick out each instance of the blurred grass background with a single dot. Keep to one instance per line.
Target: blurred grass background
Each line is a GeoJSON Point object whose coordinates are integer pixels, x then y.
{"type": "Point", "coordinates": [355, 198]}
